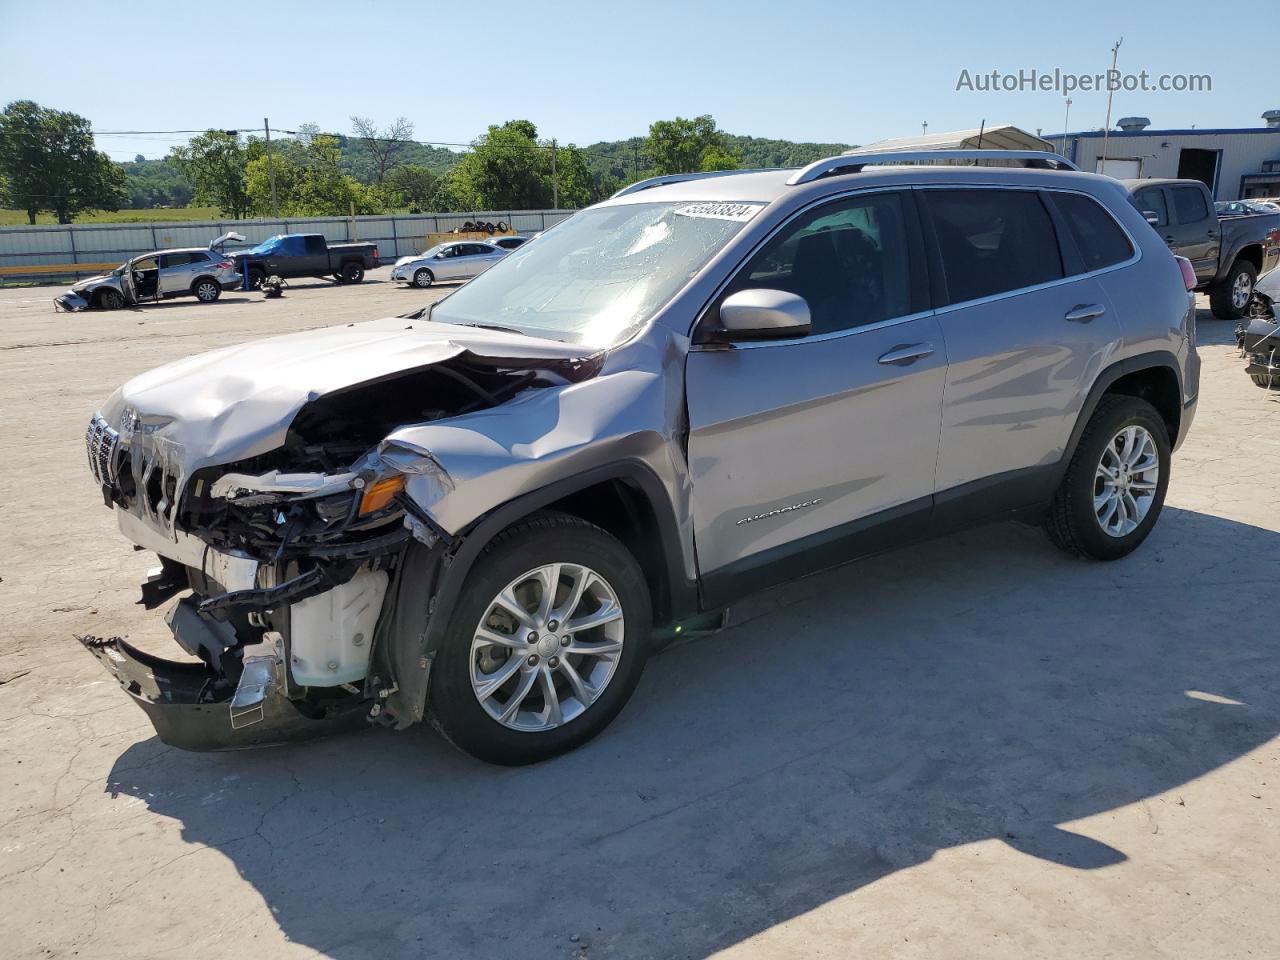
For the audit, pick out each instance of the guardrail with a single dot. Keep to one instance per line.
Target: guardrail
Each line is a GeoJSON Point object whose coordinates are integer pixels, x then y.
{"type": "Point", "coordinates": [43, 253]}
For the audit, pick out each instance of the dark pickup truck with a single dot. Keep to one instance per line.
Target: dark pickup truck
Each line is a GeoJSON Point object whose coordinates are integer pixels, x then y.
{"type": "Point", "coordinates": [306, 255]}
{"type": "Point", "coordinates": [1228, 253]}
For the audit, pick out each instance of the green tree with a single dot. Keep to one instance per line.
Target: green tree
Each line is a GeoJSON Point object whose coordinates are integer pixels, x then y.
{"type": "Point", "coordinates": [506, 169]}
{"type": "Point", "coordinates": [214, 164]}
{"type": "Point", "coordinates": [687, 146]}
{"type": "Point", "coordinates": [310, 180]}
{"type": "Point", "coordinates": [49, 162]}
{"type": "Point", "coordinates": [382, 145]}
{"type": "Point", "coordinates": [573, 176]}
{"type": "Point", "coordinates": [413, 186]}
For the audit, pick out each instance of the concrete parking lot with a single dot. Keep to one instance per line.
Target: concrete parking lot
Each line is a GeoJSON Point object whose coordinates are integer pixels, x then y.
{"type": "Point", "coordinates": [971, 748]}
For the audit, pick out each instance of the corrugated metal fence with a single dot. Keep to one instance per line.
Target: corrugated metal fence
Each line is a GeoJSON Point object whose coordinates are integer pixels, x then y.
{"type": "Point", "coordinates": [84, 248]}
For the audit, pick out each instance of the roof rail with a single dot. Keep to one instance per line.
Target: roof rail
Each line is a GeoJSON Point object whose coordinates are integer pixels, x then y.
{"type": "Point", "coordinates": [681, 177]}
{"type": "Point", "coordinates": [854, 162]}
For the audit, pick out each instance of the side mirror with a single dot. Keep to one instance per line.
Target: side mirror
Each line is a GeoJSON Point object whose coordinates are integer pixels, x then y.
{"type": "Point", "coordinates": [1151, 217]}
{"type": "Point", "coordinates": [752, 314]}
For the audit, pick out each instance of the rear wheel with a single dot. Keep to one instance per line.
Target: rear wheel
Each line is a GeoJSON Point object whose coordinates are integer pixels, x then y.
{"type": "Point", "coordinates": [255, 279]}
{"type": "Point", "coordinates": [351, 272]}
{"type": "Point", "coordinates": [1114, 487]}
{"type": "Point", "coordinates": [547, 644]}
{"type": "Point", "coordinates": [110, 299]}
{"type": "Point", "coordinates": [206, 290]}
{"type": "Point", "coordinates": [423, 278]}
{"type": "Point", "coordinates": [1229, 300]}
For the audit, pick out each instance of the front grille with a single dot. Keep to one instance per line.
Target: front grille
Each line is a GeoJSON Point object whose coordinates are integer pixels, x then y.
{"type": "Point", "coordinates": [103, 446]}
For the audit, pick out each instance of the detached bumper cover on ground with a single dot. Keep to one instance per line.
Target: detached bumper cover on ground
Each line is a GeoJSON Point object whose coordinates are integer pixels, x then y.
{"type": "Point", "coordinates": [180, 699]}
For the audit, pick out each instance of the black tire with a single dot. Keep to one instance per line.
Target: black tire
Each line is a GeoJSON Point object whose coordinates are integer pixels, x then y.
{"type": "Point", "coordinates": [545, 538]}
{"type": "Point", "coordinates": [351, 272]}
{"type": "Point", "coordinates": [110, 300]}
{"type": "Point", "coordinates": [1071, 522]}
{"type": "Point", "coordinates": [206, 289]}
{"type": "Point", "coordinates": [1221, 301]}
{"type": "Point", "coordinates": [423, 278]}
{"type": "Point", "coordinates": [255, 279]}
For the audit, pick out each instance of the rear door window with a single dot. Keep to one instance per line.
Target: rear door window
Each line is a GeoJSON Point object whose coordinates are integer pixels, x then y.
{"type": "Point", "coordinates": [993, 241]}
{"type": "Point", "coordinates": [174, 260]}
{"type": "Point", "coordinates": [1099, 238]}
{"type": "Point", "coordinates": [314, 245]}
{"type": "Point", "coordinates": [1189, 205]}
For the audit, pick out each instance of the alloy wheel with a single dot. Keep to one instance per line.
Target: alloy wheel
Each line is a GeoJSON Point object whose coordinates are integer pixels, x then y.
{"type": "Point", "coordinates": [1125, 482]}
{"type": "Point", "coordinates": [206, 292]}
{"type": "Point", "coordinates": [1241, 290]}
{"type": "Point", "coordinates": [547, 647]}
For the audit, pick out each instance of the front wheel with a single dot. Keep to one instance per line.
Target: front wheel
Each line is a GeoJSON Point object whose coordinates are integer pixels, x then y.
{"type": "Point", "coordinates": [423, 278]}
{"type": "Point", "coordinates": [547, 644]}
{"type": "Point", "coordinates": [1229, 300]}
{"type": "Point", "coordinates": [111, 299]}
{"type": "Point", "coordinates": [351, 273]}
{"type": "Point", "coordinates": [1114, 487]}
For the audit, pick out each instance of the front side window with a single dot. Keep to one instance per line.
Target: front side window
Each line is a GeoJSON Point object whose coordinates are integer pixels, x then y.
{"type": "Point", "coordinates": [1151, 200]}
{"type": "Point", "coordinates": [1188, 203]}
{"type": "Point", "coordinates": [597, 277]}
{"type": "Point", "coordinates": [1101, 241]}
{"type": "Point", "coordinates": [993, 241]}
{"type": "Point", "coordinates": [848, 259]}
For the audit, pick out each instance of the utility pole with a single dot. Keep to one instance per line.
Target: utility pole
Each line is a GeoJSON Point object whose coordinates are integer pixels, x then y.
{"type": "Point", "coordinates": [635, 161]}
{"type": "Point", "coordinates": [1111, 91]}
{"type": "Point", "coordinates": [271, 169]}
{"type": "Point", "coordinates": [555, 180]}
{"type": "Point", "coordinates": [1066, 125]}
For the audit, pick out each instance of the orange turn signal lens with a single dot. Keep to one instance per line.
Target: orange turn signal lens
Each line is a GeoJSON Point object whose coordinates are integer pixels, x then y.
{"type": "Point", "coordinates": [380, 494]}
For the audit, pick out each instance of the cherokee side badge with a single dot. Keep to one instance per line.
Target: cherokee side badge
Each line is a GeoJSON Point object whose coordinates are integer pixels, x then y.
{"type": "Point", "coordinates": [779, 511]}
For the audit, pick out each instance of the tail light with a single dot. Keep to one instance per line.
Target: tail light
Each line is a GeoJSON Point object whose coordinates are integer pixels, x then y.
{"type": "Point", "coordinates": [1188, 272]}
{"type": "Point", "coordinates": [375, 253]}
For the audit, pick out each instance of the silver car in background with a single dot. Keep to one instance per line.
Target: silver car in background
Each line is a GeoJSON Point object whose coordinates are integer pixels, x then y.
{"type": "Point", "coordinates": [200, 272]}
{"type": "Point", "coordinates": [459, 260]}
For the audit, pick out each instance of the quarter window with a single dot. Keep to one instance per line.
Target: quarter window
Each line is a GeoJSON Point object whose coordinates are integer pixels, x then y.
{"type": "Point", "coordinates": [1100, 239]}
{"type": "Point", "coordinates": [848, 259]}
{"type": "Point", "coordinates": [1188, 203]}
{"type": "Point", "coordinates": [993, 241]}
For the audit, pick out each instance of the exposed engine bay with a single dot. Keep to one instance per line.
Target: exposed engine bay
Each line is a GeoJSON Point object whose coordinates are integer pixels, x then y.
{"type": "Point", "coordinates": [1258, 337]}
{"type": "Point", "coordinates": [289, 562]}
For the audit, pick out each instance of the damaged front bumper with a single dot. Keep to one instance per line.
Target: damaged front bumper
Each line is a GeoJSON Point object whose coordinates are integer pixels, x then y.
{"type": "Point", "coordinates": [191, 709]}
{"type": "Point", "coordinates": [71, 302]}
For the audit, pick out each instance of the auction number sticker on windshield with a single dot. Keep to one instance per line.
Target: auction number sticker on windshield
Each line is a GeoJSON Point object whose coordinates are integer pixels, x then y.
{"type": "Point", "coordinates": [741, 212]}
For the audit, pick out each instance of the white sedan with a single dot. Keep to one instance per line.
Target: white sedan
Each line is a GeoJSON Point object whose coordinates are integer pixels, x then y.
{"type": "Point", "coordinates": [459, 260]}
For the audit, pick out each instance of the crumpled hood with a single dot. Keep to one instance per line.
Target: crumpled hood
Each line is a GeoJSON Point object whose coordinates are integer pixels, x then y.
{"type": "Point", "coordinates": [239, 401]}
{"type": "Point", "coordinates": [403, 260]}
{"type": "Point", "coordinates": [89, 282]}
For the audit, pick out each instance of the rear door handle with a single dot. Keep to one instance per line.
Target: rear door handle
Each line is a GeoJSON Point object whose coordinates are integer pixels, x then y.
{"type": "Point", "coordinates": [1084, 312]}
{"type": "Point", "coordinates": [906, 354]}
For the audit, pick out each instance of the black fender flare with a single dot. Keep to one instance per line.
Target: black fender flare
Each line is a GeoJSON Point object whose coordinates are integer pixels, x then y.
{"type": "Point", "coordinates": [1107, 378]}
{"type": "Point", "coordinates": [443, 568]}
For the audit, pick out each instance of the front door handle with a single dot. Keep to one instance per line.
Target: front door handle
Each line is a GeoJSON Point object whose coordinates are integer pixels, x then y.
{"type": "Point", "coordinates": [1084, 312]}
{"type": "Point", "coordinates": [907, 353]}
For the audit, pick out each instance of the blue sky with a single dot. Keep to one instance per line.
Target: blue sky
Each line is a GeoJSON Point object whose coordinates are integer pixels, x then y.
{"type": "Point", "coordinates": [588, 71]}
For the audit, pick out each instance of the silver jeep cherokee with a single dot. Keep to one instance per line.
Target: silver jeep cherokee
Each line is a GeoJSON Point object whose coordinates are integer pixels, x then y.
{"type": "Point", "coordinates": [480, 512]}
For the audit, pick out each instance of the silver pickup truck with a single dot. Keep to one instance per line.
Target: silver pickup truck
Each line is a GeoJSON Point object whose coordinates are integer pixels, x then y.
{"type": "Point", "coordinates": [1228, 253]}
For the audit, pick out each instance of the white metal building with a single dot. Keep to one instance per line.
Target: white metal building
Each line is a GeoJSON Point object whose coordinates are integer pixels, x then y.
{"type": "Point", "coordinates": [1234, 163]}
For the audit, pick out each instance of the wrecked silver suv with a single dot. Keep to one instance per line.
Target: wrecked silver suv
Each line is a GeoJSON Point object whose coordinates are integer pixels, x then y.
{"type": "Point", "coordinates": [478, 513]}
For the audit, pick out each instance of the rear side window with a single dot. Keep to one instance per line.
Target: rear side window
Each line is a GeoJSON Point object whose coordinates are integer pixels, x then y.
{"type": "Point", "coordinates": [1188, 203]}
{"type": "Point", "coordinates": [175, 260]}
{"type": "Point", "coordinates": [314, 244]}
{"type": "Point", "coordinates": [200, 258]}
{"type": "Point", "coordinates": [1100, 239]}
{"type": "Point", "coordinates": [993, 241]}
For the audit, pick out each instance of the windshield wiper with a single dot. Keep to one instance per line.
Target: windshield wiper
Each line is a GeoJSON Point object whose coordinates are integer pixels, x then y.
{"type": "Point", "coordinates": [492, 326]}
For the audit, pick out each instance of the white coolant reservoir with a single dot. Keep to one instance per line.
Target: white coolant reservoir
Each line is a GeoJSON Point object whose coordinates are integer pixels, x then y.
{"type": "Point", "coordinates": [330, 634]}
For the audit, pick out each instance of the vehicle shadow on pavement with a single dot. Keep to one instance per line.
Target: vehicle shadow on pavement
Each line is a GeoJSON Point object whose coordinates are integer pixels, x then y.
{"type": "Point", "coordinates": [975, 688]}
